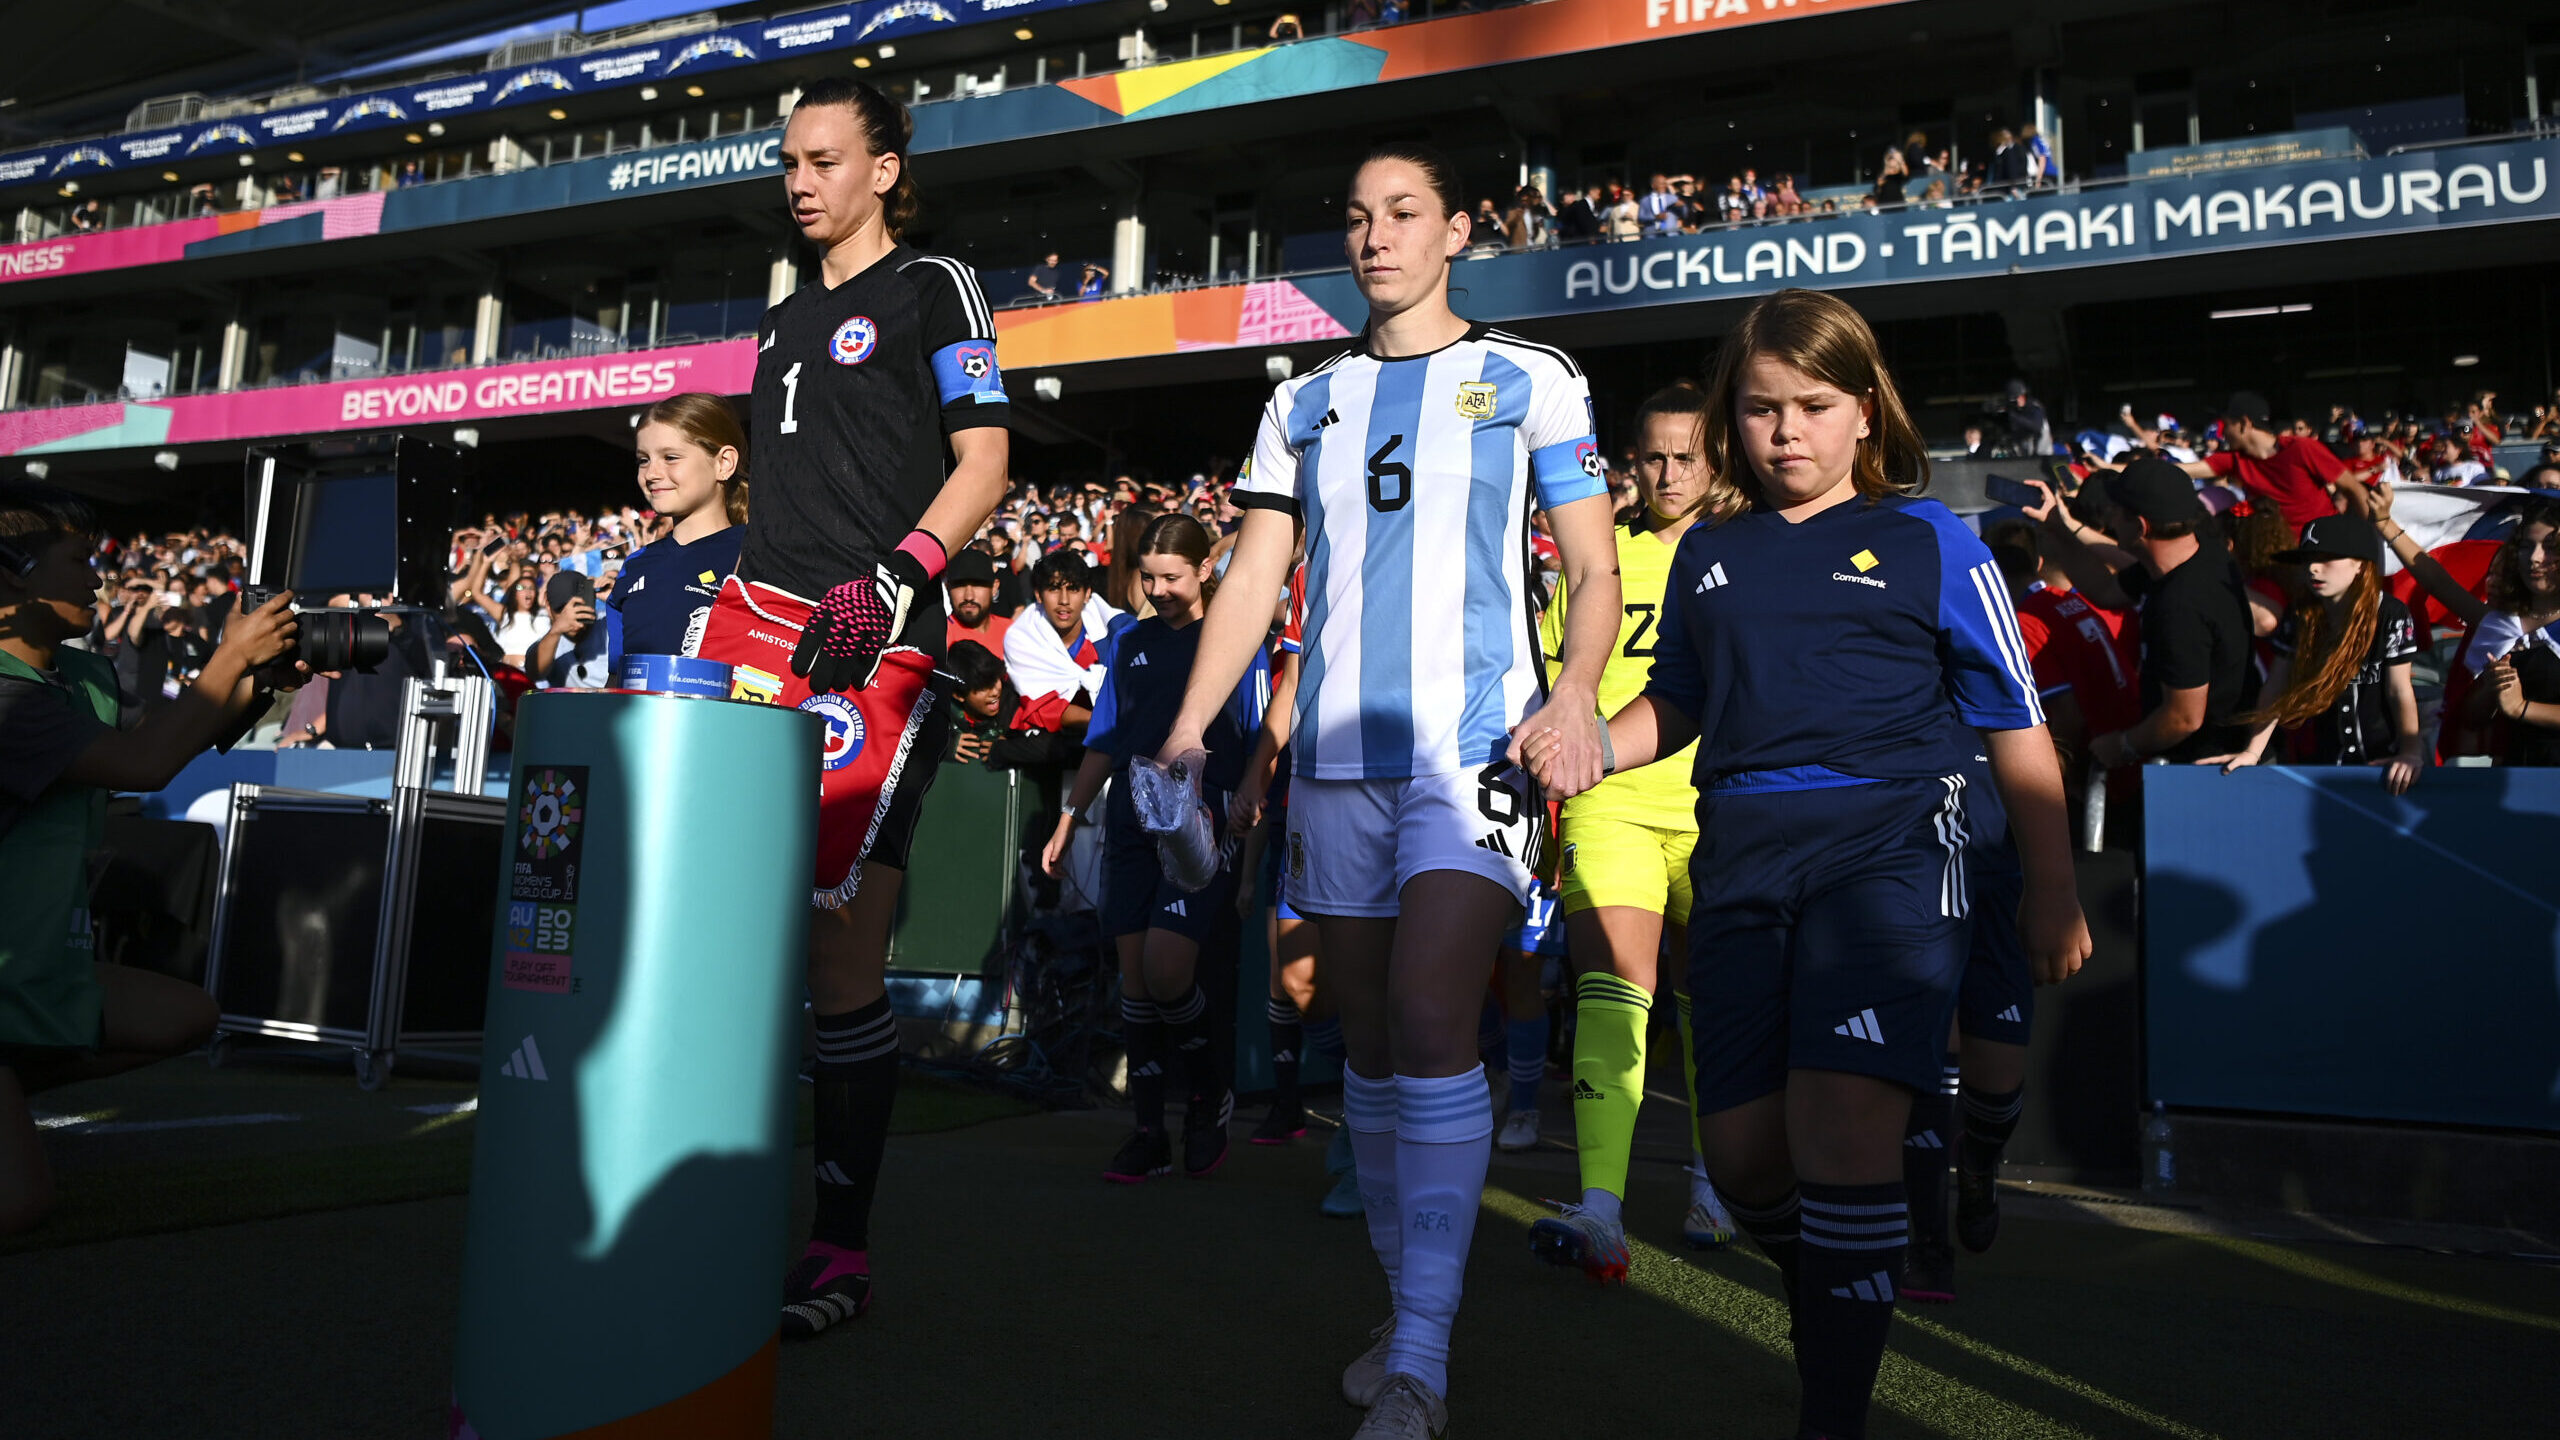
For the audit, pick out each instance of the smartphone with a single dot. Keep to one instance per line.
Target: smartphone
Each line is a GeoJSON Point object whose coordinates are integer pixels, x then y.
{"type": "Point", "coordinates": [2004, 491]}
{"type": "Point", "coordinates": [496, 544]}
{"type": "Point", "coordinates": [2057, 473]}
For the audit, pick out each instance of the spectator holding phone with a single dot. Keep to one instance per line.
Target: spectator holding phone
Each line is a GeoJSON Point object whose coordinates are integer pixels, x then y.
{"type": "Point", "coordinates": [2341, 670]}
{"type": "Point", "coordinates": [64, 1016]}
{"type": "Point", "coordinates": [2196, 670]}
{"type": "Point", "coordinates": [576, 653]}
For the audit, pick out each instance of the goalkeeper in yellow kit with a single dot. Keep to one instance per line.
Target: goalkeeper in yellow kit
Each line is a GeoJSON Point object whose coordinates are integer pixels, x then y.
{"type": "Point", "coordinates": [1624, 877]}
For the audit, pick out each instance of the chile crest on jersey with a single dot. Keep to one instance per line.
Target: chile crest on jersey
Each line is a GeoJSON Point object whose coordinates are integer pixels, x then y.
{"type": "Point", "coordinates": [853, 341]}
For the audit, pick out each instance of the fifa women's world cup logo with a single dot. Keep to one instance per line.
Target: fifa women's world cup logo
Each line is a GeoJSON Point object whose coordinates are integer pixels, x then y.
{"type": "Point", "coordinates": [551, 814]}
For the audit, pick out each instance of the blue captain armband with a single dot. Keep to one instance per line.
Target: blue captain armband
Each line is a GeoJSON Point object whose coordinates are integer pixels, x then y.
{"type": "Point", "coordinates": [1570, 471]}
{"type": "Point", "coordinates": [968, 371]}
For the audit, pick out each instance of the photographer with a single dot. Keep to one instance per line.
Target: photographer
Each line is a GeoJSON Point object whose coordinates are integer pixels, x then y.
{"type": "Point", "coordinates": [63, 1016]}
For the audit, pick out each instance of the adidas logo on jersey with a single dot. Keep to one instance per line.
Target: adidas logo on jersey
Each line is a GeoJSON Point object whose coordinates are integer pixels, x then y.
{"type": "Point", "coordinates": [1176, 907]}
{"type": "Point", "coordinates": [1329, 419]}
{"type": "Point", "coordinates": [1495, 843]}
{"type": "Point", "coordinates": [525, 1063]}
{"type": "Point", "coordinates": [1861, 1026]}
{"type": "Point", "coordinates": [1141, 660]}
{"type": "Point", "coordinates": [1585, 1090]}
{"type": "Point", "coordinates": [1878, 1286]}
{"type": "Point", "coordinates": [1713, 578]}
{"type": "Point", "coordinates": [2011, 1015]}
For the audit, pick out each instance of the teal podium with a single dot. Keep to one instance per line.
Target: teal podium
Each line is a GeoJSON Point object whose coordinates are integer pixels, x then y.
{"type": "Point", "coordinates": [631, 1176]}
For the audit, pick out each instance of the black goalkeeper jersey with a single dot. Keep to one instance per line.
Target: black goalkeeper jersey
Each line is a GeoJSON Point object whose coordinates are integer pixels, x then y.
{"type": "Point", "coordinates": [857, 388]}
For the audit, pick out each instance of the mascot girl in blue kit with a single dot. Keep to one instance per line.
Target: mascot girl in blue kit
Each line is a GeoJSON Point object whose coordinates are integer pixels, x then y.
{"type": "Point", "coordinates": [1834, 643]}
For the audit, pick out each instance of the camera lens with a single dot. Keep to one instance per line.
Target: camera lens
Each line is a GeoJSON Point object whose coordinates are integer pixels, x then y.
{"type": "Point", "coordinates": [336, 640]}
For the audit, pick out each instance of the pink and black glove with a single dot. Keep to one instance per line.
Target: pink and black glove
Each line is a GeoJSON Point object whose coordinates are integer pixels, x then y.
{"type": "Point", "coordinates": [840, 646]}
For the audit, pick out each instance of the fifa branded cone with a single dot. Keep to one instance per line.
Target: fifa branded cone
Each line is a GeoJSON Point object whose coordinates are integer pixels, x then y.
{"type": "Point", "coordinates": [631, 1175]}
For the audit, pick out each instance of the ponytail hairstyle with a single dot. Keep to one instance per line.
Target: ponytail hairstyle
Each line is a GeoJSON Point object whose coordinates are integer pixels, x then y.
{"type": "Point", "coordinates": [1826, 339]}
{"type": "Point", "coordinates": [2323, 663]}
{"type": "Point", "coordinates": [887, 128]}
{"type": "Point", "coordinates": [1175, 533]}
{"type": "Point", "coordinates": [1436, 170]}
{"type": "Point", "coordinates": [707, 421]}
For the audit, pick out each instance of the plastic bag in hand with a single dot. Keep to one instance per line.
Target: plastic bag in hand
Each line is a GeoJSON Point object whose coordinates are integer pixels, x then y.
{"type": "Point", "coordinates": [1167, 799]}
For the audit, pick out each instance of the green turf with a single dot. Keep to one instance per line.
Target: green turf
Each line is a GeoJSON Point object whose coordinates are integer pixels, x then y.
{"type": "Point", "coordinates": [199, 1177]}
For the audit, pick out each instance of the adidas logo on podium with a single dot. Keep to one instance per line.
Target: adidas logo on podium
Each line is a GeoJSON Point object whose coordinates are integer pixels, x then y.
{"type": "Point", "coordinates": [526, 1063]}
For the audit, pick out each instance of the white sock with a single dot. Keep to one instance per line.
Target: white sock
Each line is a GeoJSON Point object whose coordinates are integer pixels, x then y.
{"type": "Point", "coordinates": [1602, 1204]}
{"type": "Point", "coordinates": [1369, 1114]}
{"type": "Point", "coordinates": [1444, 1140]}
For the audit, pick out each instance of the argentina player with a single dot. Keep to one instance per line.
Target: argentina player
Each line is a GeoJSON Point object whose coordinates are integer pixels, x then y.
{"type": "Point", "coordinates": [1413, 461]}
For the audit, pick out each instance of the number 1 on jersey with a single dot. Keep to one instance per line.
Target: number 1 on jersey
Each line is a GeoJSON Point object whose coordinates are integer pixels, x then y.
{"type": "Point", "coordinates": [790, 398]}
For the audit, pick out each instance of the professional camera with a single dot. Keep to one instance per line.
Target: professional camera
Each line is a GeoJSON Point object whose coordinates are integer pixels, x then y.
{"type": "Point", "coordinates": [328, 640]}
{"type": "Point", "coordinates": [364, 517]}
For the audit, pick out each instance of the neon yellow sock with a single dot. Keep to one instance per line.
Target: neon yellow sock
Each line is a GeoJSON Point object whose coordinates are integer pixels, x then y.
{"type": "Point", "coordinates": [1689, 1068]}
{"type": "Point", "coordinates": [1608, 1076]}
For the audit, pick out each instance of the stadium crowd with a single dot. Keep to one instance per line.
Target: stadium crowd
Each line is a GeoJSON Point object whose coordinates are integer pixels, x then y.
{"type": "Point", "coordinates": [531, 590]}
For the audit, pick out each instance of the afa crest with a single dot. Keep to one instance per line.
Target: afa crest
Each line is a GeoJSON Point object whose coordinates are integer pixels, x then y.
{"type": "Point", "coordinates": [1476, 399]}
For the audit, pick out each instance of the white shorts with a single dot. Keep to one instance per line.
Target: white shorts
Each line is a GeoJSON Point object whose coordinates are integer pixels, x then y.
{"type": "Point", "coordinates": [1354, 843]}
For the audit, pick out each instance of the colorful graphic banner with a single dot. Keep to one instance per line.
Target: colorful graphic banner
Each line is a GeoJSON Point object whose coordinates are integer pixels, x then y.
{"type": "Point", "coordinates": [539, 388]}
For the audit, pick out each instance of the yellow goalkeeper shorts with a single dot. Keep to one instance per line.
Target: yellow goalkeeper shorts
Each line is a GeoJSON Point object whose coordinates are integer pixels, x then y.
{"type": "Point", "coordinates": [1620, 862]}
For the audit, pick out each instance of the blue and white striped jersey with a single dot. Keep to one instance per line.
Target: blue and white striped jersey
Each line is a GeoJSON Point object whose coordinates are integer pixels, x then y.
{"type": "Point", "coordinates": [1414, 478]}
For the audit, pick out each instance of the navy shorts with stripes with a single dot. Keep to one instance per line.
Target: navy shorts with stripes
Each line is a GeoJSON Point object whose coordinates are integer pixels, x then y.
{"type": "Point", "coordinates": [1828, 933]}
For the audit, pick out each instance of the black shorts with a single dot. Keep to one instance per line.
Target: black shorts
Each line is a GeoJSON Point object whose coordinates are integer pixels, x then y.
{"type": "Point", "coordinates": [1136, 897]}
{"type": "Point", "coordinates": [1827, 933]}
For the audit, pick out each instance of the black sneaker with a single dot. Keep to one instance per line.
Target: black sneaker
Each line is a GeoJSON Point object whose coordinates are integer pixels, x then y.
{"type": "Point", "coordinates": [1204, 1135]}
{"type": "Point", "coordinates": [1977, 1207]}
{"type": "Point", "coordinates": [811, 1303]}
{"type": "Point", "coordinates": [1929, 1271]}
{"type": "Point", "coordinates": [1285, 1121]}
{"type": "Point", "coordinates": [1143, 1156]}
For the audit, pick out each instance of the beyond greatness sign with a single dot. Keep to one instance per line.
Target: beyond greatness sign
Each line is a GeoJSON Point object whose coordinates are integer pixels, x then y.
{"type": "Point", "coordinates": [726, 368]}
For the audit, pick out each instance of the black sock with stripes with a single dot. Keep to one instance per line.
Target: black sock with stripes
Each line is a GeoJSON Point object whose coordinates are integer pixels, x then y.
{"type": "Point", "coordinates": [857, 1084]}
{"type": "Point", "coordinates": [1142, 1038]}
{"type": "Point", "coordinates": [1854, 1239]}
{"type": "Point", "coordinates": [1187, 1036]}
{"type": "Point", "coordinates": [1989, 1121]}
{"type": "Point", "coordinates": [1928, 1142]}
{"type": "Point", "coordinates": [1288, 1038]}
{"type": "Point", "coordinates": [1774, 1228]}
